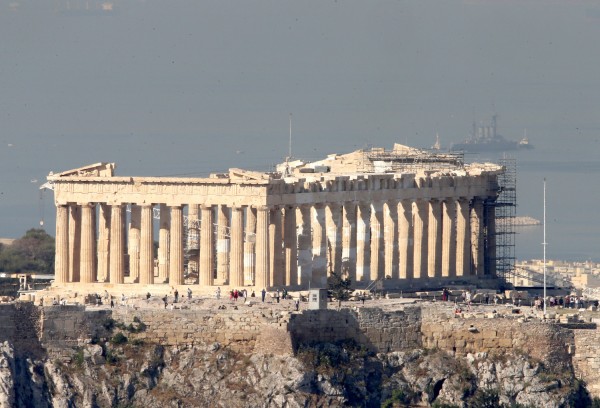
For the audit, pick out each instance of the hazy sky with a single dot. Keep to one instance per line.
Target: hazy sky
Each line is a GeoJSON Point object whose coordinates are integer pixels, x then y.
{"type": "Point", "coordinates": [189, 87]}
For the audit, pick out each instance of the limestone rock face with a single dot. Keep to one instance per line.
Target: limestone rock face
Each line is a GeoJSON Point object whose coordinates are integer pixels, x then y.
{"type": "Point", "coordinates": [323, 374]}
{"type": "Point", "coordinates": [7, 369]}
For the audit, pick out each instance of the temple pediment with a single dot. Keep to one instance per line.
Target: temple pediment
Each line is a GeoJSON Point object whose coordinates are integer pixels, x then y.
{"type": "Point", "coordinates": [92, 170]}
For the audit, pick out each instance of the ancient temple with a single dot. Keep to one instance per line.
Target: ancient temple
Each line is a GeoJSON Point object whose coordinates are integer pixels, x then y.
{"type": "Point", "coordinates": [400, 214]}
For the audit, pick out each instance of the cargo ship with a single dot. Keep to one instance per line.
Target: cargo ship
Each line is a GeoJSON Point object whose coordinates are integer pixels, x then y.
{"type": "Point", "coordinates": [486, 139]}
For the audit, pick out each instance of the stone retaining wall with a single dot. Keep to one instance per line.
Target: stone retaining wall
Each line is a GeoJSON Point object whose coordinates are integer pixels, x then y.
{"type": "Point", "coordinates": [258, 330]}
{"type": "Point", "coordinates": [586, 358]}
{"type": "Point", "coordinates": [547, 342]}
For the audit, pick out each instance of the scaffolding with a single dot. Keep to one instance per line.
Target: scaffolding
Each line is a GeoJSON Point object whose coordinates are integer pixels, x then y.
{"type": "Point", "coordinates": [411, 159]}
{"type": "Point", "coordinates": [506, 210]}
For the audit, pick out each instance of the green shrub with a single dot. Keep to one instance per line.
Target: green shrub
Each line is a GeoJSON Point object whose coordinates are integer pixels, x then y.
{"type": "Point", "coordinates": [118, 338]}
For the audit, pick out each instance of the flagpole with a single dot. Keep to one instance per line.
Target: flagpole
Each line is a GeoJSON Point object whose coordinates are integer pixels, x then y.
{"type": "Point", "coordinates": [544, 245]}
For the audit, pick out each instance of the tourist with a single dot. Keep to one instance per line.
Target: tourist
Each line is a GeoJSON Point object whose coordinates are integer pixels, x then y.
{"type": "Point", "coordinates": [236, 294]}
{"type": "Point", "coordinates": [164, 299]}
{"type": "Point", "coordinates": [284, 296]}
{"type": "Point", "coordinates": [189, 292]}
{"type": "Point", "coordinates": [112, 303]}
{"type": "Point", "coordinates": [297, 304]}
{"type": "Point", "coordinates": [264, 293]}
{"type": "Point", "coordinates": [148, 296]}
{"type": "Point", "coordinates": [253, 294]}
{"type": "Point", "coordinates": [277, 295]}
{"type": "Point", "coordinates": [218, 293]}
{"type": "Point", "coordinates": [176, 296]}
{"type": "Point", "coordinates": [487, 298]}
{"type": "Point", "coordinates": [123, 299]}
{"type": "Point", "coordinates": [245, 294]}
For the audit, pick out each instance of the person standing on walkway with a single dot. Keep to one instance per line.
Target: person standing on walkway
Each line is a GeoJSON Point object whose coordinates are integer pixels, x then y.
{"type": "Point", "coordinates": [264, 293]}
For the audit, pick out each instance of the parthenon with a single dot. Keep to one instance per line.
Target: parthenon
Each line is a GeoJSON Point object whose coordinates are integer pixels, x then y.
{"type": "Point", "coordinates": [402, 215]}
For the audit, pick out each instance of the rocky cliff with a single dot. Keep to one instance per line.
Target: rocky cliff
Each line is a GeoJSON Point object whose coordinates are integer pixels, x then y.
{"type": "Point", "coordinates": [122, 358]}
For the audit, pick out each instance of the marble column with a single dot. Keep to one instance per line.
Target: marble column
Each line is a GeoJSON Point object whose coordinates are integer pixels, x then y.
{"type": "Point", "coordinates": [61, 261]}
{"type": "Point", "coordinates": [405, 239]}
{"type": "Point", "coordinates": [206, 246]}
{"type": "Point", "coordinates": [349, 240]}
{"type": "Point", "coordinates": [290, 243]}
{"type": "Point", "coordinates": [223, 244]}
{"type": "Point", "coordinates": [249, 246]}
{"type": "Point", "coordinates": [236, 273]}
{"type": "Point", "coordinates": [463, 238]}
{"type": "Point", "coordinates": [304, 245]}
{"type": "Point", "coordinates": [420, 212]}
{"type": "Point", "coordinates": [103, 242]}
{"type": "Point", "coordinates": [74, 242]}
{"type": "Point", "coordinates": [449, 238]}
{"type": "Point", "coordinates": [146, 246]}
{"type": "Point", "coordinates": [390, 222]}
{"type": "Point", "coordinates": [262, 248]}
{"type": "Point", "coordinates": [276, 277]}
{"type": "Point", "coordinates": [175, 245]}
{"type": "Point", "coordinates": [477, 242]}
{"type": "Point", "coordinates": [133, 249]}
{"type": "Point", "coordinates": [163, 244]}
{"type": "Point", "coordinates": [363, 238]}
{"type": "Point", "coordinates": [333, 228]}
{"type": "Point", "coordinates": [319, 248]}
{"type": "Point", "coordinates": [377, 258]}
{"type": "Point", "coordinates": [88, 236]}
{"type": "Point", "coordinates": [434, 241]}
{"type": "Point", "coordinates": [116, 247]}
{"type": "Point", "coordinates": [193, 238]}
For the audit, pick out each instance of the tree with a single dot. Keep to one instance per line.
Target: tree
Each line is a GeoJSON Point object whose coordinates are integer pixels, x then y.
{"type": "Point", "coordinates": [339, 287]}
{"type": "Point", "coordinates": [33, 252]}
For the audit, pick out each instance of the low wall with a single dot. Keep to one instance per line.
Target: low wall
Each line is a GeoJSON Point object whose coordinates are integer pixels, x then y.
{"type": "Point", "coordinates": [586, 358]}
{"type": "Point", "coordinates": [547, 342]}
{"type": "Point", "coordinates": [35, 331]}
{"type": "Point", "coordinates": [379, 330]}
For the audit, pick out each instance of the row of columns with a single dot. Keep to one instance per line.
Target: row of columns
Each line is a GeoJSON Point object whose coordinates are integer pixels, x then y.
{"type": "Point", "coordinates": [280, 246]}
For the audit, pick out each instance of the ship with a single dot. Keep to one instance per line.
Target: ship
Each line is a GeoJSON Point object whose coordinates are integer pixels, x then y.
{"type": "Point", "coordinates": [485, 138]}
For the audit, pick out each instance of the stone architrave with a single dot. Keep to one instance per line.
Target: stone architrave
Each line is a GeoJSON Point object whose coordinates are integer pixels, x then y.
{"type": "Point", "coordinates": [175, 245]}
{"type": "Point", "coordinates": [116, 247]}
